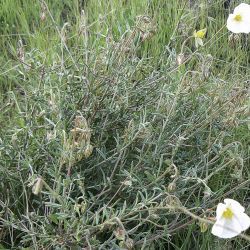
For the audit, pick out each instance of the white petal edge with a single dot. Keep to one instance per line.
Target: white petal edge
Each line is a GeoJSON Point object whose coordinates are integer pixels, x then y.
{"type": "Point", "coordinates": [242, 8]}
{"type": "Point", "coordinates": [235, 205]}
{"type": "Point", "coordinates": [246, 21]}
{"type": "Point", "coordinates": [219, 210]}
{"type": "Point", "coordinates": [226, 229]}
{"type": "Point", "coordinates": [244, 221]}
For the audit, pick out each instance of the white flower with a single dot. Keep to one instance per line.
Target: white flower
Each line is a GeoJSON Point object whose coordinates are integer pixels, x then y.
{"type": "Point", "coordinates": [198, 36]}
{"type": "Point", "coordinates": [239, 21]}
{"type": "Point", "coordinates": [230, 219]}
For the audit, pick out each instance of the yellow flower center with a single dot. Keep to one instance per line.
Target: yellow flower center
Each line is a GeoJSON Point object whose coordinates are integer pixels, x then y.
{"type": "Point", "coordinates": [201, 33]}
{"type": "Point", "coordinates": [238, 18]}
{"type": "Point", "coordinates": [228, 213]}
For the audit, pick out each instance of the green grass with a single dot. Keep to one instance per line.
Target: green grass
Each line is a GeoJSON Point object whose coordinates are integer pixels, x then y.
{"type": "Point", "coordinates": [162, 134]}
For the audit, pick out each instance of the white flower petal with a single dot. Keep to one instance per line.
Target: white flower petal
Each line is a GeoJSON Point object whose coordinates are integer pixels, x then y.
{"type": "Point", "coordinates": [237, 27]}
{"type": "Point", "coordinates": [217, 230]}
{"type": "Point", "coordinates": [245, 26]}
{"type": "Point", "coordinates": [235, 205]}
{"type": "Point", "coordinates": [199, 41]}
{"type": "Point", "coordinates": [219, 210]}
{"type": "Point", "coordinates": [225, 228]}
{"type": "Point", "coordinates": [242, 8]}
{"type": "Point", "coordinates": [244, 220]}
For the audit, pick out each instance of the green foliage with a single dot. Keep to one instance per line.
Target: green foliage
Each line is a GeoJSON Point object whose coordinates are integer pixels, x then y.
{"type": "Point", "coordinates": [111, 111]}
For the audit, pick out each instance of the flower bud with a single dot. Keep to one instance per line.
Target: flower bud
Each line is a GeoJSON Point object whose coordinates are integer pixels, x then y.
{"type": "Point", "coordinates": [171, 187]}
{"type": "Point", "coordinates": [88, 151]}
{"type": "Point", "coordinates": [180, 59]}
{"type": "Point", "coordinates": [37, 187]}
{"type": "Point", "coordinates": [203, 226]}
